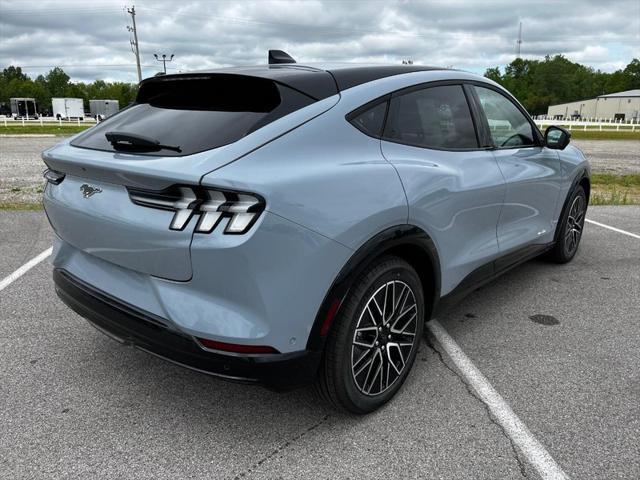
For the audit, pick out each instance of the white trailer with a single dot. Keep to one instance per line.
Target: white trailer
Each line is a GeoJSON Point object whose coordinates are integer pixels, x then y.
{"type": "Point", "coordinates": [101, 109]}
{"type": "Point", "coordinates": [67, 108]}
{"type": "Point", "coordinates": [23, 108]}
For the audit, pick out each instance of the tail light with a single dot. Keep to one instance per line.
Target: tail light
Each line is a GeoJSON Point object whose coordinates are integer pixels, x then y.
{"type": "Point", "coordinates": [52, 176]}
{"type": "Point", "coordinates": [210, 205]}
{"type": "Point", "coordinates": [235, 348]}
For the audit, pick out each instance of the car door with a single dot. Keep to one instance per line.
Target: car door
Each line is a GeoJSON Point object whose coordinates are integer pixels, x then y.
{"type": "Point", "coordinates": [454, 187]}
{"type": "Point", "coordinates": [532, 172]}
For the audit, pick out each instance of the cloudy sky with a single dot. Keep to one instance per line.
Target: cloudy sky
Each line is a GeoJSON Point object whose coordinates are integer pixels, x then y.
{"type": "Point", "coordinates": [89, 39]}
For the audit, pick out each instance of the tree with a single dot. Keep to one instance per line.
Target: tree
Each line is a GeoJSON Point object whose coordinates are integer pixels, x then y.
{"type": "Point", "coordinates": [540, 83]}
{"type": "Point", "coordinates": [57, 82]}
{"type": "Point", "coordinates": [632, 72]}
{"type": "Point", "coordinates": [13, 73]}
{"type": "Point", "coordinates": [493, 74]}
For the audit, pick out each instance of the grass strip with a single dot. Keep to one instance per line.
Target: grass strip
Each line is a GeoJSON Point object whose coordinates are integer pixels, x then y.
{"type": "Point", "coordinates": [65, 130]}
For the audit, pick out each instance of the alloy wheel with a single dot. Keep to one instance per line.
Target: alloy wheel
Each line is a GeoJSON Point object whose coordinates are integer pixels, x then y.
{"type": "Point", "coordinates": [575, 224]}
{"type": "Point", "coordinates": [384, 338]}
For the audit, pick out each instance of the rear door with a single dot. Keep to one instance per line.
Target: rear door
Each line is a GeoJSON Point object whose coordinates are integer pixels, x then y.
{"type": "Point", "coordinates": [531, 171]}
{"type": "Point", "coordinates": [454, 187]}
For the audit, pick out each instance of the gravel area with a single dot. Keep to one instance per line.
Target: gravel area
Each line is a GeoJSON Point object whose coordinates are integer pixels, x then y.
{"type": "Point", "coordinates": [21, 166]}
{"type": "Point", "coordinates": [612, 156]}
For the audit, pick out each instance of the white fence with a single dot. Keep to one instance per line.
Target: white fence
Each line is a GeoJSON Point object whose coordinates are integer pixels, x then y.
{"type": "Point", "coordinates": [42, 121]}
{"type": "Point", "coordinates": [593, 124]}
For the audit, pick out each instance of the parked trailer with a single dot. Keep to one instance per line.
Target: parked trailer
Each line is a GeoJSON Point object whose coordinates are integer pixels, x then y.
{"type": "Point", "coordinates": [68, 108]}
{"type": "Point", "coordinates": [101, 109]}
{"type": "Point", "coordinates": [23, 108]}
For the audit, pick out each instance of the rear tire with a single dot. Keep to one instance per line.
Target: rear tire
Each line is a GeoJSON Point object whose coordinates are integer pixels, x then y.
{"type": "Point", "coordinates": [570, 227]}
{"type": "Point", "coordinates": [374, 339]}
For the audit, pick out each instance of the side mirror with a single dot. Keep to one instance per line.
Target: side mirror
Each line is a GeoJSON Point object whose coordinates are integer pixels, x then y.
{"type": "Point", "coordinates": [557, 137]}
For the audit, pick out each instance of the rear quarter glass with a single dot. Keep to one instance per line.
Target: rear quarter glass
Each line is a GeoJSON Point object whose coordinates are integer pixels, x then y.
{"type": "Point", "coordinates": [195, 114]}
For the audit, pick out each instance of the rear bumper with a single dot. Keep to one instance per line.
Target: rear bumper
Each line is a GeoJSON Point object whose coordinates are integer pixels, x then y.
{"type": "Point", "coordinates": [149, 333]}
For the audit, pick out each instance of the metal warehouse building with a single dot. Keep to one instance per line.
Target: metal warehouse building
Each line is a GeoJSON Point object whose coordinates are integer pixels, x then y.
{"type": "Point", "coordinates": [617, 106]}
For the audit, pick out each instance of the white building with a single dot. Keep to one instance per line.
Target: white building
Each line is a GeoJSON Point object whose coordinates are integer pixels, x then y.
{"type": "Point", "coordinates": [617, 106]}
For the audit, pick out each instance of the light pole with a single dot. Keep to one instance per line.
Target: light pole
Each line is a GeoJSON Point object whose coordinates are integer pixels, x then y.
{"type": "Point", "coordinates": [164, 60]}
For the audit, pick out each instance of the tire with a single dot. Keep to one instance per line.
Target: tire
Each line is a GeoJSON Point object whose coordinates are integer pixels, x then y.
{"type": "Point", "coordinates": [388, 352]}
{"type": "Point", "coordinates": [570, 227]}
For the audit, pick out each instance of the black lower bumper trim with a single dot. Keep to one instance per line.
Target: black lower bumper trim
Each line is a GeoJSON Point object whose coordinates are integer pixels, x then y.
{"type": "Point", "coordinates": [143, 330]}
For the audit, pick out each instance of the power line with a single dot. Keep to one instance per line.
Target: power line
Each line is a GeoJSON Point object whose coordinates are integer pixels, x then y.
{"type": "Point", "coordinates": [59, 11]}
{"type": "Point", "coordinates": [90, 66]}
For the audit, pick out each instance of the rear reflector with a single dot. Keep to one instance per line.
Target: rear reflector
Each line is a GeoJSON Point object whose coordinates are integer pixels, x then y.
{"type": "Point", "coordinates": [328, 320]}
{"type": "Point", "coordinates": [232, 347]}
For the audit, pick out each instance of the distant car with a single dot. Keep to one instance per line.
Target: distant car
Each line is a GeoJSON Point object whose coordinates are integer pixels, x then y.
{"type": "Point", "coordinates": [288, 223]}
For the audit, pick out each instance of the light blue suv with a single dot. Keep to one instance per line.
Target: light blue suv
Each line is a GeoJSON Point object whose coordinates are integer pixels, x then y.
{"type": "Point", "coordinates": [281, 224]}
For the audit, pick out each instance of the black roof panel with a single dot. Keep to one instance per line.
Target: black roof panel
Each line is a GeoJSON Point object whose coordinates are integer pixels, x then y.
{"type": "Point", "coordinates": [317, 81]}
{"type": "Point", "coordinates": [350, 76]}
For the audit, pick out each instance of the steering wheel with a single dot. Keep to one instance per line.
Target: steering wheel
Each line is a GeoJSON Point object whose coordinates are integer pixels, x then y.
{"type": "Point", "coordinates": [518, 135]}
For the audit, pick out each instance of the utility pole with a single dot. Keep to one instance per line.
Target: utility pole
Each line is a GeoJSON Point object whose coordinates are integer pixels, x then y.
{"type": "Point", "coordinates": [134, 43]}
{"type": "Point", "coordinates": [164, 60]}
{"type": "Point", "coordinates": [519, 42]}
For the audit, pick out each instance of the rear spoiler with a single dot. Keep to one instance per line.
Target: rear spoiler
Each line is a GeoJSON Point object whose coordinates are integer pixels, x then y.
{"type": "Point", "coordinates": [315, 83]}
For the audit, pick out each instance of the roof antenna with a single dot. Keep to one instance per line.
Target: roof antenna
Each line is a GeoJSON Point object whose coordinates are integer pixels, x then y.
{"type": "Point", "coordinates": [278, 56]}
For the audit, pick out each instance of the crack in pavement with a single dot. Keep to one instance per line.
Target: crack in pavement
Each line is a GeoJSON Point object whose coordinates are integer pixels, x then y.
{"type": "Point", "coordinates": [281, 448]}
{"type": "Point", "coordinates": [492, 419]}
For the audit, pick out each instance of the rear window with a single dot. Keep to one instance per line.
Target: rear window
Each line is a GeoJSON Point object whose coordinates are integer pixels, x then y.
{"type": "Point", "coordinates": [191, 114]}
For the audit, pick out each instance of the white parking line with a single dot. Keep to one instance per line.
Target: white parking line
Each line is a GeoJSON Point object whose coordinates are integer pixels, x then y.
{"type": "Point", "coordinates": [12, 277]}
{"type": "Point", "coordinates": [624, 232]}
{"type": "Point", "coordinates": [517, 431]}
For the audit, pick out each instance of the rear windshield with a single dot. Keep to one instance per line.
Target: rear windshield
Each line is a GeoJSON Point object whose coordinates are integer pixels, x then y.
{"type": "Point", "coordinates": [191, 114]}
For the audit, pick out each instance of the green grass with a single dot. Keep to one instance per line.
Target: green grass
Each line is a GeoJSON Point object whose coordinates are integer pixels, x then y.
{"type": "Point", "coordinates": [604, 135]}
{"type": "Point", "coordinates": [20, 206]}
{"type": "Point", "coordinates": [610, 189]}
{"type": "Point", "coordinates": [45, 129]}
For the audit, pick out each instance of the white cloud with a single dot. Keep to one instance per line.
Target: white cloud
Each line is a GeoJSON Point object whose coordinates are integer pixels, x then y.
{"type": "Point", "coordinates": [90, 38]}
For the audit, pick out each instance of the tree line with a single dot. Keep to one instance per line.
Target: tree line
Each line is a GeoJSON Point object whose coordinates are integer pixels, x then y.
{"type": "Point", "coordinates": [540, 83]}
{"type": "Point", "coordinates": [536, 83]}
{"type": "Point", "coordinates": [15, 83]}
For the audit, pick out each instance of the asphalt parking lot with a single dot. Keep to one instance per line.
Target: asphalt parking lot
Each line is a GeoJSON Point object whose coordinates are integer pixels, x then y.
{"type": "Point", "coordinates": [76, 404]}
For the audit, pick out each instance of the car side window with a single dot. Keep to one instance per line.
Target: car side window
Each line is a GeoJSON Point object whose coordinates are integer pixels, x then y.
{"type": "Point", "coordinates": [432, 117]}
{"type": "Point", "coordinates": [371, 120]}
{"type": "Point", "coordinates": [508, 126]}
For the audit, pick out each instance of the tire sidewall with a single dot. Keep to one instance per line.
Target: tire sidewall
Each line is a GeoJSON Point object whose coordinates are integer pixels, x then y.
{"type": "Point", "coordinates": [562, 249]}
{"type": "Point", "coordinates": [396, 270]}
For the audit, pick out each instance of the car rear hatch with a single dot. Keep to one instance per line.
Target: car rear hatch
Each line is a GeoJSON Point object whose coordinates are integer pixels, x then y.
{"type": "Point", "coordinates": [180, 128]}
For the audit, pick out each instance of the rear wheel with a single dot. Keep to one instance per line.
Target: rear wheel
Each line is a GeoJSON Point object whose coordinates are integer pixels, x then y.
{"type": "Point", "coordinates": [570, 227]}
{"type": "Point", "coordinates": [374, 342]}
